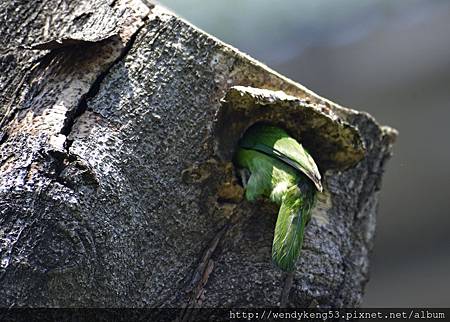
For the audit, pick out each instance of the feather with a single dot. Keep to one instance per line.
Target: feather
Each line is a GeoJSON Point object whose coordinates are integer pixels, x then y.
{"type": "Point", "coordinates": [275, 142]}
{"type": "Point", "coordinates": [283, 171]}
{"type": "Point", "coordinates": [294, 214]}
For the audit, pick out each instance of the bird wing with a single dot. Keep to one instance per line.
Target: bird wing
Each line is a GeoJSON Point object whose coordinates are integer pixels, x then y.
{"type": "Point", "coordinates": [301, 161]}
{"type": "Point", "coordinates": [277, 143]}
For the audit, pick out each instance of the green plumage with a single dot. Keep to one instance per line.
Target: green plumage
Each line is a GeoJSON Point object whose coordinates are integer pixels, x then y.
{"type": "Point", "coordinates": [283, 171]}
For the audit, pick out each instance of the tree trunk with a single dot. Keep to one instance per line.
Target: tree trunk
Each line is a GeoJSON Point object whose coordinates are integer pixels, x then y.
{"type": "Point", "coordinates": [118, 124]}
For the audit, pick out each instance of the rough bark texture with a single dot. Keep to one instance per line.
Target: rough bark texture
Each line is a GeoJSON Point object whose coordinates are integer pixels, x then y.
{"type": "Point", "coordinates": [117, 187]}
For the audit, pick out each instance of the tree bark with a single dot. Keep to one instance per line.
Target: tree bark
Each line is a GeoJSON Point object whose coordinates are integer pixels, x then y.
{"type": "Point", "coordinates": [119, 121]}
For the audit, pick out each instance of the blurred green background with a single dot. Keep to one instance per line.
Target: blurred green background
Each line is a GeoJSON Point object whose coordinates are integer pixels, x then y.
{"type": "Point", "coordinates": [391, 59]}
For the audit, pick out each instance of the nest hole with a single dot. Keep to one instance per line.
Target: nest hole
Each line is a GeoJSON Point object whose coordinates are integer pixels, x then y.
{"type": "Point", "coordinates": [333, 143]}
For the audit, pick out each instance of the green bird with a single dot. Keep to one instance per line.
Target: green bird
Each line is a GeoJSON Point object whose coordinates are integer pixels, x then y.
{"type": "Point", "coordinates": [283, 171]}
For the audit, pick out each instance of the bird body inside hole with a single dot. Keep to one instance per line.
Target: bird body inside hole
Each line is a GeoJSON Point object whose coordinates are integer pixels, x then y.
{"type": "Point", "coordinates": [275, 166]}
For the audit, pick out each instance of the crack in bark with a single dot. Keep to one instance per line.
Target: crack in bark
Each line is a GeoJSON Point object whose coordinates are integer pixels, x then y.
{"type": "Point", "coordinates": [72, 116]}
{"type": "Point", "coordinates": [201, 276]}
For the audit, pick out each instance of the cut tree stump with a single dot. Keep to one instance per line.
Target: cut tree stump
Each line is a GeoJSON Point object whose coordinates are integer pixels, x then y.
{"type": "Point", "coordinates": [117, 187]}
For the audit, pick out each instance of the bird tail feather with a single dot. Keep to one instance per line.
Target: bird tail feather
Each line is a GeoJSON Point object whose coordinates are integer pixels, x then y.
{"type": "Point", "coordinates": [292, 218]}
